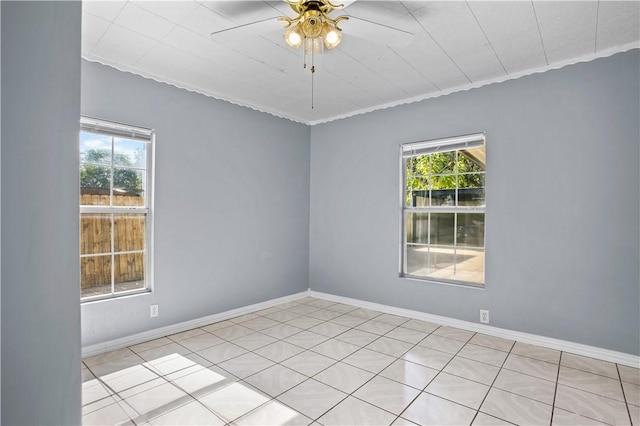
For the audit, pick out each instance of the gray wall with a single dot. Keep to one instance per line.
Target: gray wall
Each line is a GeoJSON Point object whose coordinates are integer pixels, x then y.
{"type": "Point", "coordinates": [40, 265]}
{"type": "Point", "coordinates": [562, 203]}
{"type": "Point", "coordinates": [231, 203]}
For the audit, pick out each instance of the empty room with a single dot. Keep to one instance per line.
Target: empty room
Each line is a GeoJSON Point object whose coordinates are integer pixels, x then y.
{"type": "Point", "coordinates": [306, 213]}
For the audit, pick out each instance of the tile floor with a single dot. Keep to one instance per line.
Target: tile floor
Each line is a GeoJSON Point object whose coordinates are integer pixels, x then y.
{"type": "Point", "coordinates": [312, 361]}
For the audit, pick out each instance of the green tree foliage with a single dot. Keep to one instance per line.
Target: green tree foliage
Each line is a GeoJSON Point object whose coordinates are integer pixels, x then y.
{"type": "Point", "coordinates": [97, 174]}
{"type": "Point", "coordinates": [439, 171]}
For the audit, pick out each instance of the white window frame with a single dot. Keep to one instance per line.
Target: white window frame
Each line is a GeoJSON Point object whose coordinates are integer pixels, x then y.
{"type": "Point", "coordinates": [118, 130]}
{"type": "Point", "coordinates": [413, 149]}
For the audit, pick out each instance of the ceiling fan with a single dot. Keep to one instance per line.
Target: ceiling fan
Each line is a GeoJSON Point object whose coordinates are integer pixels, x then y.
{"type": "Point", "coordinates": [313, 28]}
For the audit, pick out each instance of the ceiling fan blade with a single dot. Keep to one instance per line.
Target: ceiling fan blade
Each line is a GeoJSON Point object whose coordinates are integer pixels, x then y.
{"type": "Point", "coordinates": [261, 27]}
{"type": "Point", "coordinates": [376, 32]}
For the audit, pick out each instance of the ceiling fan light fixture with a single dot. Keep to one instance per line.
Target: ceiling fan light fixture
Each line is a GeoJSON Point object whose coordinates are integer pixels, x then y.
{"type": "Point", "coordinates": [294, 36]}
{"type": "Point", "coordinates": [313, 46]}
{"type": "Point", "coordinates": [313, 28]}
{"type": "Point", "coordinates": [331, 36]}
{"type": "Point", "coordinates": [312, 23]}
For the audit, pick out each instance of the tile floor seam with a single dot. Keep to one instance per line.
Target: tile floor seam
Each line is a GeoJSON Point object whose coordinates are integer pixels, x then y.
{"type": "Point", "coordinates": [555, 390]}
{"type": "Point", "coordinates": [434, 378]}
{"type": "Point", "coordinates": [527, 374]}
{"type": "Point", "coordinates": [491, 387]}
{"type": "Point", "coordinates": [624, 395]}
{"type": "Point", "coordinates": [594, 393]}
{"type": "Point", "coordinates": [591, 372]}
{"type": "Point", "coordinates": [331, 408]}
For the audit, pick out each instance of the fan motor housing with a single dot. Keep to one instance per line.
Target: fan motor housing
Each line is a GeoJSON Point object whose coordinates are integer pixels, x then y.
{"type": "Point", "coordinates": [312, 23]}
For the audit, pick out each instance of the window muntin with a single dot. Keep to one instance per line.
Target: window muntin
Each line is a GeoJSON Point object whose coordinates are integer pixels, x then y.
{"type": "Point", "coordinates": [115, 209]}
{"type": "Point", "coordinates": [443, 210]}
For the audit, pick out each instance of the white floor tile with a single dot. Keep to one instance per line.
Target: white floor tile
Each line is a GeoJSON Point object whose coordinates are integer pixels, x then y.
{"type": "Point", "coordinates": [233, 401]}
{"type": "Point", "coordinates": [369, 360]}
{"type": "Point", "coordinates": [589, 365]}
{"type": "Point", "coordinates": [387, 394]}
{"type": "Point", "coordinates": [591, 405]}
{"type": "Point", "coordinates": [431, 410]}
{"type": "Point", "coordinates": [525, 385]}
{"type": "Point", "coordinates": [308, 363]}
{"type": "Point", "coordinates": [275, 380]}
{"type": "Point", "coordinates": [459, 390]}
{"type": "Point", "coordinates": [353, 411]}
{"type": "Point", "coordinates": [193, 413]}
{"type": "Point", "coordinates": [315, 362]}
{"type": "Point", "coordinates": [409, 373]}
{"type": "Point", "coordinates": [515, 408]}
{"type": "Point", "coordinates": [159, 397]}
{"type": "Point", "coordinates": [109, 415]}
{"type": "Point", "coordinates": [312, 398]}
{"type": "Point", "coordinates": [246, 365]}
{"type": "Point", "coordinates": [472, 370]}
{"type": "Point", "coordinates": [273, 413]}
{"type": "Point", "coordinates": [344, 377]}
{"type": "Point", "coordinates": [428, 357]}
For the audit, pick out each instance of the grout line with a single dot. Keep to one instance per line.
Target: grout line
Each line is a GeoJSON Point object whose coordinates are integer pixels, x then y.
{"type": "Point", "coordinates": [555, 391]}
{"type": "Point", "coordinates": [494, 382]}
{"type": "Point", "coordinates": [624, 395]}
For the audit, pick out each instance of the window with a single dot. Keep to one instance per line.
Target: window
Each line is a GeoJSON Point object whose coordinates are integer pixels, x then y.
{"type": "Point", "coordinates": [443, 210]}
{"type": "Point", "coordinates": [115, 208]}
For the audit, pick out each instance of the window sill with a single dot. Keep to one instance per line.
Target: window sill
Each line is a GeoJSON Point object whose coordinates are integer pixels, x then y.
{"type": "Point", "coordinates": [119, 296]}
{"type": "Point", "coordinates": [459, 284]}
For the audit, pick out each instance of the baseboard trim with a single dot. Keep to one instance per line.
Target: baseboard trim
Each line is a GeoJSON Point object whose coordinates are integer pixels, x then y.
{"type": "Point", "coordinates": [533, 339]}
{"type": "Point", "coordinates": [156, 333]}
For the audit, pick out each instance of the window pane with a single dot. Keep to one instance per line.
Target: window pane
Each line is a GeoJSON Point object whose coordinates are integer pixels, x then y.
{"type": "Point", "coordinates": [419, 187]}
{"type": "Point", "coordinates": [470, 267]}
{"type": "Point", "coordinates": [94, 185]}
{"type": "Point", "coordinates": [129, 232]}
{"type": "Point", "coordinates": [471, 160]}
{"type": "Point", "coordinates": [420, 198]}
{"type": "Point", "coordinates": [442, 263]}
{"type": "Point", "coordinates": [443, 162]}
{"type": "Point", "coordinates": [130, 153]}
{"type": "Point", "coordinates": [95, 149]}
{"type": "Point", "coordinates": [471, 192]}
{"type": "Point", "coordinates": [443, 197]}
{"type": "Point", "coordinates": [417, 226]}
{"type": "Point", "coordinates": [128, 187]}
{"type": "Point", "coordinates": [419, 165]}
{"type": "Point", "coordinates": [95, 233]}
{"type": "Point", "coordinates": [95, 275]}
{"type": "Point", "coordinates": [470, 231]}
{"type": "Point", "coordinates": [129, 271]}
{"type": "Point", "coordinates": [417, 260]}
{"type": "Point", "coordinates": [442, 228]}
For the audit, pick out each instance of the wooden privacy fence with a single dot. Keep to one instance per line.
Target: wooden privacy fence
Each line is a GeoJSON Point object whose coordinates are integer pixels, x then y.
{"type": "Point", "coordinates": [96, 232]}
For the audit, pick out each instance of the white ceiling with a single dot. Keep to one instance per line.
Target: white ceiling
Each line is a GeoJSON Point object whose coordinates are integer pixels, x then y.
{"type": "Point", "coordinates": [456, 45]}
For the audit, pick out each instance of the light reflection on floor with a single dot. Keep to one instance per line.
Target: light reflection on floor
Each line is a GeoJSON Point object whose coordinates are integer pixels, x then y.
{"type": "Point", "coordinates": [173, 389]}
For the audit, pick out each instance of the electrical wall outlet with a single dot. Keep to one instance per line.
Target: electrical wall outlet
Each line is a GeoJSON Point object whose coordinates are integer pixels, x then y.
{"type": "Point", "coordinates": [153, 312]}
{"type": "Point", "coordinates": [484, 316]}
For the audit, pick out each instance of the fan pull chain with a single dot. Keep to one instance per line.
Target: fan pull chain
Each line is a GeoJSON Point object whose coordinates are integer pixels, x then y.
{"type": "Point", "coordinates": [313, 71]}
